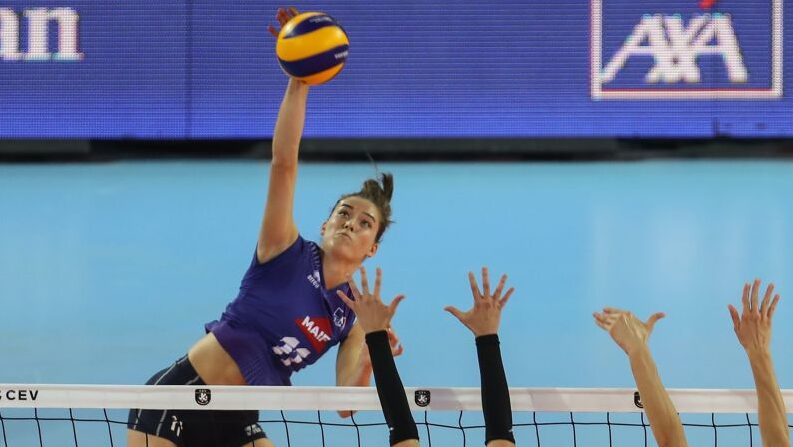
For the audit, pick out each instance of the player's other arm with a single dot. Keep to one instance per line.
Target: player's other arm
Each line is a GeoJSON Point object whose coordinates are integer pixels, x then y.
{"type": "Point", "coordinates": [483, 320]}
{"type": "Point", "coordinates": [278, 230]}
{"type": "Point", "coordinates": [631, 334]}
{"type": "Point", "coordinates": [374, 318]}
{"type": "Point", "coordinates": [753, 329]}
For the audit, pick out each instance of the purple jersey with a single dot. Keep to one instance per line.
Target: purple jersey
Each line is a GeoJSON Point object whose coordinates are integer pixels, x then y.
{"type": "Point", "coordinates": [283, 318]}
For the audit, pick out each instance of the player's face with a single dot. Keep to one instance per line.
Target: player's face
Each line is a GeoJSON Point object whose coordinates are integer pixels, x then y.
{"type": "Point", "coordinates": [351, 230]}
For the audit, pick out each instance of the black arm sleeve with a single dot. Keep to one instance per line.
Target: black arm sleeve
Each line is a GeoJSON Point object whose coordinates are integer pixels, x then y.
{"type": "Point", "coordinates": [495, 392]}
{"type": "Point", "coordinates": [390, 390]}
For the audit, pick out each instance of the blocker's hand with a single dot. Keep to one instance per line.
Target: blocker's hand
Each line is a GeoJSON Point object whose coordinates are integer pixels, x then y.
{"type": "Point", "coordinates": [485, 317]}
{"type": "Point", "coordinates": [629, 332]}
{"type": "Point", "coordinates": [373, 315]}
{"type": "Point", "coordinates": [753, 325]}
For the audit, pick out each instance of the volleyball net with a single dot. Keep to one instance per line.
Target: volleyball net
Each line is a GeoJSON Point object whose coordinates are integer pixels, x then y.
{"type": "Point", "coordinates": [96, 415]}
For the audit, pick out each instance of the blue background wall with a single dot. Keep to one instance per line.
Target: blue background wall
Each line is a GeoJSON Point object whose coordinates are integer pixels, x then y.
{"type": "Point", "coordinates": [505, 68]}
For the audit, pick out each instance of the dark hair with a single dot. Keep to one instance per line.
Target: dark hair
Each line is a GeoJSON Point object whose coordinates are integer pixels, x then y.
{"type": "Point", "coordinates": [379, 192]}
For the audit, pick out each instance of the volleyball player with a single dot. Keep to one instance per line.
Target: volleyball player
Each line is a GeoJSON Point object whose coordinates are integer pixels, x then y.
{"type": "Point", "coordinates": [287, 313]}
{"type": "Point", "coordinates": [753, 329]}
{"type": "Point", "coordinates": [483, 320]}
{"type": "Point", "coordinates": [631, 334]}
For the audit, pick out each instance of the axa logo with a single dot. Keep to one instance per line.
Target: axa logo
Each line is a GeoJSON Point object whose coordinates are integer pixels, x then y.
{"type": "Point", "coordinates": [317, 330]}
{"type": "Point", "coordinates": [34, 45]}
{"type": "Point", "coordinates": [685, 49]}
{"type": "Point", "coordinates": [289, 353]}
{"type": "Point", "coordinates": [313, 278]}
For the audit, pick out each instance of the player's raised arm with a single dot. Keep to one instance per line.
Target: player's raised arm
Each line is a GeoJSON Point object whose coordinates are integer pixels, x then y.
{"type": "Point", "coordinates": [753, 329]}
{"type": "Point", "coordinates": [278, 230]}
{"type": "Point", "coordinates": [374, 318]}
{"type": "Point", "coordinates": [484, 319]}
{"type": "Point", "coordinates": [631, 334]}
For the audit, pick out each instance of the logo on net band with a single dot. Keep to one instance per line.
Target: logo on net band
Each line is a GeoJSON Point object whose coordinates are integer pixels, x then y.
{"type": "Point", "coordinates": [692, 52]}
{"type": "Point", "coordinates": [422, 397]}
{"type": "Point", "coordinates": [203, 396]}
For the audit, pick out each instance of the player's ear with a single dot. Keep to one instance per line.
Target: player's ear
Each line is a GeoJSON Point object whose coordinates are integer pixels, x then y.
{"type": "Point", "coordinates": [372, 250]}
{"type": "Point", "coordinates": [322, 228]}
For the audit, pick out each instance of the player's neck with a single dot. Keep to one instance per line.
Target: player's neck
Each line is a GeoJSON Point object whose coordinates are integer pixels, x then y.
{"type": "Point", "coordinates": [335, 271]}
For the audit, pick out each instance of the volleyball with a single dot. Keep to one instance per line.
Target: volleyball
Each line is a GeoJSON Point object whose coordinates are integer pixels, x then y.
{"type": "Point", "coordinates": [312, 47]}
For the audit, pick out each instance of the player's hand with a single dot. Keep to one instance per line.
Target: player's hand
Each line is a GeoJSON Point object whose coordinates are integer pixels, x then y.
{"type": "Point", "coordinates": [283, 15]}
{"type": "Point", "coordinates": [629, 332]}
{"type": "Point", "coordinates": [753, 325]}
{"type": "Point", "coordinates": [485, 317]}
{"type": "Point", "coordinates": [373, 315]}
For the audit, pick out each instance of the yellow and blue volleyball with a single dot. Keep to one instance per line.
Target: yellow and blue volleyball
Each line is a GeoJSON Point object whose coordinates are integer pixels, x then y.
{"type": "Point", "coordinates": [312, 47]}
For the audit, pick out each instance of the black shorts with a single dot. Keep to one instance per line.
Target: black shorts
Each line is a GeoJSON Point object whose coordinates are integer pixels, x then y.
{"type": "Point", "coordinates": [195, 428]}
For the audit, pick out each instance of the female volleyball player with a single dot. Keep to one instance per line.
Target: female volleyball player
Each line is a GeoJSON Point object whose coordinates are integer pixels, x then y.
{"type": "Point", "coordinates": [483, 320]}
{"type": "Point", "coordinates": [631, 334]}
{"type": "Point", "coordinates": [287, 313]}
{"type": "Point", "coordinates": [753, 329]}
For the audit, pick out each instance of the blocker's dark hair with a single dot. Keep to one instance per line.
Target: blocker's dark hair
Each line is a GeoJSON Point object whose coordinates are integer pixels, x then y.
{"type": "Point", "coordinates": [378, 191]}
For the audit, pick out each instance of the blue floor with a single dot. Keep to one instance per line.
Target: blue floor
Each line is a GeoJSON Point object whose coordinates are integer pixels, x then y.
{"type": "Point", "coordinates": [108, 271]}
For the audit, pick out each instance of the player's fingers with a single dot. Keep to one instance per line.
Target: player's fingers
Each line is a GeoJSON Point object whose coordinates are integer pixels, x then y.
{"type": "Point", "coordinates": [755, 293]}
{"type": "Point", "coordinates": [613, 310]}
{"type": "Point", "coordinates": [282, 16]}
{"type": "Point", "coordinates": [485, 283]}
{"type": "Point", "coordinates": [504, 300]}
{"type": "Point", "coordinates": [350, 303]}
{"type": "Point", "coordinates": [454, 311]}
{"type": "Point", "coordinates": [736, 319]}
{"type": "Point", "coordinates": [653, 319]}
{"type": "Point", "coordinates": [772, 307]}
{"type": "Point", "coordinates": [500, 287]}
{"type": "Point", "coordinates": [354, 288]}
{"type": "Point", "coordinates": [474, 286]}
{"type": "Point", "coordinates": [601, 322]}
{"type": "Point", "coordinates": [272, 30]}
{"type": "Point", "coordinates": [378, 278]}
{"type": "Point", "coordinates": [747, 288]}
{"type": "Point", "coordinates": [394, 304]}
{"type": "Point", "coordinates": [364, 281]}
{"type": "Point", "coordinates": [293, 11]}
{"type": "Point", "coordinates": [769, 292]}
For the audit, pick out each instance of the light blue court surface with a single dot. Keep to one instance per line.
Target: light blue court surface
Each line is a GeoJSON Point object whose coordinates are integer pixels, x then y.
{"type": "Point", "coordinates": [108, 271]}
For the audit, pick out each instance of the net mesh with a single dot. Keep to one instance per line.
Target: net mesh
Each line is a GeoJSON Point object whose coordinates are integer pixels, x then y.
{"type": "Point", "coordinates": [86, 415]}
